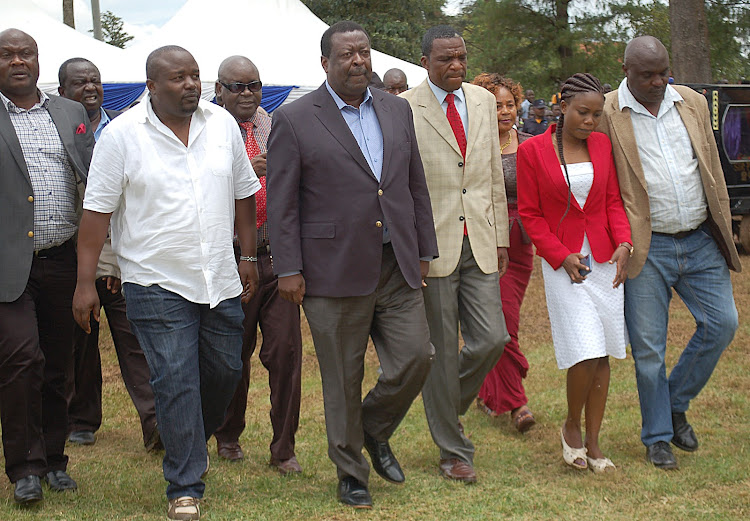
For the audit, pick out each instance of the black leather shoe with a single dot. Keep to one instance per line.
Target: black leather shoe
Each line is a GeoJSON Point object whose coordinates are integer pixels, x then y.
{"type": "Point", "coordinates": [660, 454]}
{"type": "Point", "coordinates": [59, 481]}
{"type": "Point", "coordinates": [28, 490]}
{"type": "Point", "coordinates": [684, 437]}
{"type": "Point", "coordinates": [383, 460]}
{"type": "Point", "coordinates": [353, 493]}
{"type": "Point", "coordinates": [82, 438]}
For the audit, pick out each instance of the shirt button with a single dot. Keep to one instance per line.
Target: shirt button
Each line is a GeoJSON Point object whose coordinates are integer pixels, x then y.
{"type": "Point", "coordinates": [380, 192]}
{"type": "Point", "coordinates": [30, 234]}
{"type": "Point", "coordinates": [460, 164]}
{"type": "Point", "coordinates": [378, 224]}
{"type": "Point", "coordinates": [461, 218]}
{"type": "Point", "coordinates": [463, 191]}
{"type": "Point", "coordinates": [31, 198]}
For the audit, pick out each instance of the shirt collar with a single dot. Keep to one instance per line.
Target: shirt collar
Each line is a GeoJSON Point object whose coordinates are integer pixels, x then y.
{"type": "Point", "coordinates": [626, 99]}
{"type": "Point", "coordinates": [205, 109]}
{"type": "Point", "coordinates": [440, 94]}
{"type": "Point", "coordinates": [341, 103]}
{"type": "Point", "coordinates": [104, 119]}
{"type": "Point", "coordinates": [10, 106]}
{"type": "Point", "coordinates": [253, 119]}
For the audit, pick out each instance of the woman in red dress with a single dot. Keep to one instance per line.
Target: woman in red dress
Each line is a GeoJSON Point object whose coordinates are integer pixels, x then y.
{"type": "Point", "coordinates": [502, 390]}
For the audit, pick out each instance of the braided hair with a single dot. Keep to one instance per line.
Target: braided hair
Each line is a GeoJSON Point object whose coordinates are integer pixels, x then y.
{"type": "Point", "coordinates": [579, 83]}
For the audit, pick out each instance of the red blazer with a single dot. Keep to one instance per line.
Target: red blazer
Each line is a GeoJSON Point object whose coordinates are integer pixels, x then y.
{"type": "Point", "coordinates": [543, 196]}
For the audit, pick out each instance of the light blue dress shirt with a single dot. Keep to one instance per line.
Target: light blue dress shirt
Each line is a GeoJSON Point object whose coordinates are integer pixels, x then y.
{"type": "Point", "coordinates": [365, 127]}
{"type": "Point", "coordinates": [103, 122]}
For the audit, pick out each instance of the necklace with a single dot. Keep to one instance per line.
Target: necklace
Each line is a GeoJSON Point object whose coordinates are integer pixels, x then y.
{"type": "Point", "coordinates": [507, 144]}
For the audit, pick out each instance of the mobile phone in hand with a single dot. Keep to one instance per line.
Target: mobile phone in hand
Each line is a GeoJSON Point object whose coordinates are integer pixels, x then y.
{"type": "Point", "coordinates": [586, 261]}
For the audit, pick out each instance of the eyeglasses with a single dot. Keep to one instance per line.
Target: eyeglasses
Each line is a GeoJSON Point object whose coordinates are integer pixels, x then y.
{"type": "Point", "coordinates": [238, 88]}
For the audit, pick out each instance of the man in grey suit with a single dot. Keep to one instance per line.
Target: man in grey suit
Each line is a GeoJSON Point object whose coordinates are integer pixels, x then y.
{"type": "Point", "coordinates": [45, 151]}
{"type": "Point", "coordinates": [352, 234]}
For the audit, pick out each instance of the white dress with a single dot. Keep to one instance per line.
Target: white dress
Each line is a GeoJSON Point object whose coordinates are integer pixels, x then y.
{"type": "Point", "coordinates": [587, 319]}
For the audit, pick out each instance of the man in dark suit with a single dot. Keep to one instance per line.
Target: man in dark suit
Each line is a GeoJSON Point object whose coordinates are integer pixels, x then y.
{"type": "Point", "coordinates": [81, 81]}
{"type": "Point", "coordinates": [45, 151]}
{"type": "Point", "coordinates": [352, 234]}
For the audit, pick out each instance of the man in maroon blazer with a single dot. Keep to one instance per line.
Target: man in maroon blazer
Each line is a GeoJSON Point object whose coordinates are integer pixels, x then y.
{"type": "Point", "coordinates": [352, 234]}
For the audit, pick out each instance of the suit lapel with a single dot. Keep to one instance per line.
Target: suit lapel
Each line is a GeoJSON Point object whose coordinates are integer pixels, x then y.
{"type": "Point", "coordinates": [330, 116]}
{"type": "Point", "coordinates": [622, 127]}
{"type": "Point", "coordinates": [476, 120]}
{"type": "Point", "coordinates": [433, 113]}
{"type": "Point", "coordinates": [65, 128]}
{"type": "Point", "coordinates": [8, 133]}
{"type": "Point", "coordinates": [383, 112]}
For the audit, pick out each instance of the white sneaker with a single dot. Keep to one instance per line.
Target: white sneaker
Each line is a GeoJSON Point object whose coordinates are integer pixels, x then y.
{"type": "Point", "coordinates": [184, 508]}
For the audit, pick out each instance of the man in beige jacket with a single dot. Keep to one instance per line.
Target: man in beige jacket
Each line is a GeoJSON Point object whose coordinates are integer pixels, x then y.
{"type": "Point", "coordinates": [456, 127]}
{"type": "Point", "coordinates": [676, 200]}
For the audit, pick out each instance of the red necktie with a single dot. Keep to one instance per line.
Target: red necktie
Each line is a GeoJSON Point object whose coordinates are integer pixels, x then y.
{"type": "Point", "coordinates": [251, 145]}
{"type": "Point", "coordinates": [455, 121]}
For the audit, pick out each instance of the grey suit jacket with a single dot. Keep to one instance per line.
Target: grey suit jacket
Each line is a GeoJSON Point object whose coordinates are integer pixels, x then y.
{"type": "Point", "coordinates": [16, 193]}
{"type": "Point", "coordinates": [326, 208]}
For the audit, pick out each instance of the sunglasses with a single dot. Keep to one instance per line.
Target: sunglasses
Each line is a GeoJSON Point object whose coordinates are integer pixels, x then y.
{"type": "Point", "coordinates": [237, 88]}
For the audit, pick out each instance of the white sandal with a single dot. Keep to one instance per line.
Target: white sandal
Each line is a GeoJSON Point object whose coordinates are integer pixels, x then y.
{"type": "Point", "coordinates": [601, 465]}
{"type": "Point", "coordinates": [570, 455]}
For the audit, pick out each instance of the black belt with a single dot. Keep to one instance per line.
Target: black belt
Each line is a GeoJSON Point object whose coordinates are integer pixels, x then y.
{"type": "Point", "coordinates": [679, 235]}
{"type": "Point", "coordinates": [54, 251]}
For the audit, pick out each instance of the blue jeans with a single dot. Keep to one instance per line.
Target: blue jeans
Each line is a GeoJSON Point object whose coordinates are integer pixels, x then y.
{"type": "Point", "coordinates": [695, 268]}
{"type": "Point", "coordinates": [193, 353]}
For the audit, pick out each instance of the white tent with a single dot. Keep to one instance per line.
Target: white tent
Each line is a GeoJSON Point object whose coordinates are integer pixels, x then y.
{"type": "Point", "coordinates": [282, 37]}
{"type": "Point", "coordinates": [57, 42]}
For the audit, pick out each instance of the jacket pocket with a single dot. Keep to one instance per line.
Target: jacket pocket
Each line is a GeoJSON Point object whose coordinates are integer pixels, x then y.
{"type": "Point", "coordinates": [318, 230]}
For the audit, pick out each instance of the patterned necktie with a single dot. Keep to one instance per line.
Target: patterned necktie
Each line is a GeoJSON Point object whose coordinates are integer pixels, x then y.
{"type": "Point", "coordinates": [251, 145]}
{"type": "Point", "coordinates": [455, 121]}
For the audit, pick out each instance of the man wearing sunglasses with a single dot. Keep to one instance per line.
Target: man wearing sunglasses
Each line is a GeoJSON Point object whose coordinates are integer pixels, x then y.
{"type": "Point", "coordinates": [238, 90]}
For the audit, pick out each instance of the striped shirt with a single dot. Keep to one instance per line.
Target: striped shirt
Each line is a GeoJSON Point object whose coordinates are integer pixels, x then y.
{"type": "Point", "coordinates": [52, 177]}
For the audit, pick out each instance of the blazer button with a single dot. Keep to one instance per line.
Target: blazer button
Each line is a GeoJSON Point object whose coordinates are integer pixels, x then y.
{"type": "Point", "coordinates": [464, 190]}
{"type": "Point", "coordinates": [461, 218]}
{"type": "Point", "coordinates": [30, 234]}
{"type": "Point", "coordinates": [460, 164]}
{"type": "Point", "coordinates": [31, 198]}
{"type": "Point", "coordinates": [380, 192]}
{"type": "Point", "coordinates": [378, 224]}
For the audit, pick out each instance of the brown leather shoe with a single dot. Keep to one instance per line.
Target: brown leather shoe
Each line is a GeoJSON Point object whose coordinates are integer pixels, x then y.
{"type": "Point", "coordinates": [230, 450]}
{"type": "Point", "coordinates": [454, 468]}
{"type": "Point", "coordinates": [287, 466]}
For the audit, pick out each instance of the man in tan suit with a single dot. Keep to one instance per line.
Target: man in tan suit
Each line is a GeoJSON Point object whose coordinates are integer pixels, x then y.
{"type": "Point", "coordinates": [677, 203]}
{"type": "Point", "coordinates": [456, 127]}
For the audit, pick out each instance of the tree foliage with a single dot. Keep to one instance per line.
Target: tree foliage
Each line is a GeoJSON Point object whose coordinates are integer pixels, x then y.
{"type": "Point", "coordinates": [527, 39]}
{"type": "Point", "coordinates": [395, 26]}
{"type": "Point", "coordinates": [112, 30]}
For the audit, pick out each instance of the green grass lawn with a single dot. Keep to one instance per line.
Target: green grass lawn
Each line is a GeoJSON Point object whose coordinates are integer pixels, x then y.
{"type": "Point", "coordinates": [520, 476]}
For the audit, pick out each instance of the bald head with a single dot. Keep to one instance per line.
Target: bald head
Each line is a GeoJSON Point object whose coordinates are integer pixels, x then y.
{"type": "Point", "coordinates": [644, 46]}
{"type": "Point", "coordinates": [233, 63]}
{"type": "Point", "coordinates": [395, 81]}
{"type": "Point", "coordinates": [19, 67]}
{"type": "Point", "coordinates": [646, 67]}
{"type": "Point", "coordinates": [159, 58]}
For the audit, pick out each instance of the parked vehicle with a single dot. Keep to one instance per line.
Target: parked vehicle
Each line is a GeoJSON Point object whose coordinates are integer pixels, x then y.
{"type": "Point", "coordinates": [730, 120]}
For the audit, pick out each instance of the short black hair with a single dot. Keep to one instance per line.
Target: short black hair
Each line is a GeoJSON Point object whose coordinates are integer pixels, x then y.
{"type": "Point", "coordinates": [344, 26]}
{"type": "Point", "coordinates": [437, 32]}
{"type": "Point", "coordinates": [62, 74]}
{"type": "Point", "coordinates": [156, 55]}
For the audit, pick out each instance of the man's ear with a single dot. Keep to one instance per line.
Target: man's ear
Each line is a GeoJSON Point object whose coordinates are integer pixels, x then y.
{"type": "Point", "coordinates": [324, 63]}
{"type": "Point", "coordinates": [217, 93]}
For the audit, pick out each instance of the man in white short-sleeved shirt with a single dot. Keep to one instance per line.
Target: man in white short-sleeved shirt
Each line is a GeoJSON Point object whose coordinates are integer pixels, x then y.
{"type": "Point", "coordinates": [172, 173]}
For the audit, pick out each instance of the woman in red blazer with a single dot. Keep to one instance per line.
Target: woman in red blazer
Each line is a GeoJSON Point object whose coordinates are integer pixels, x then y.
{"type": "Point", "coordinates": [569, 201]}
